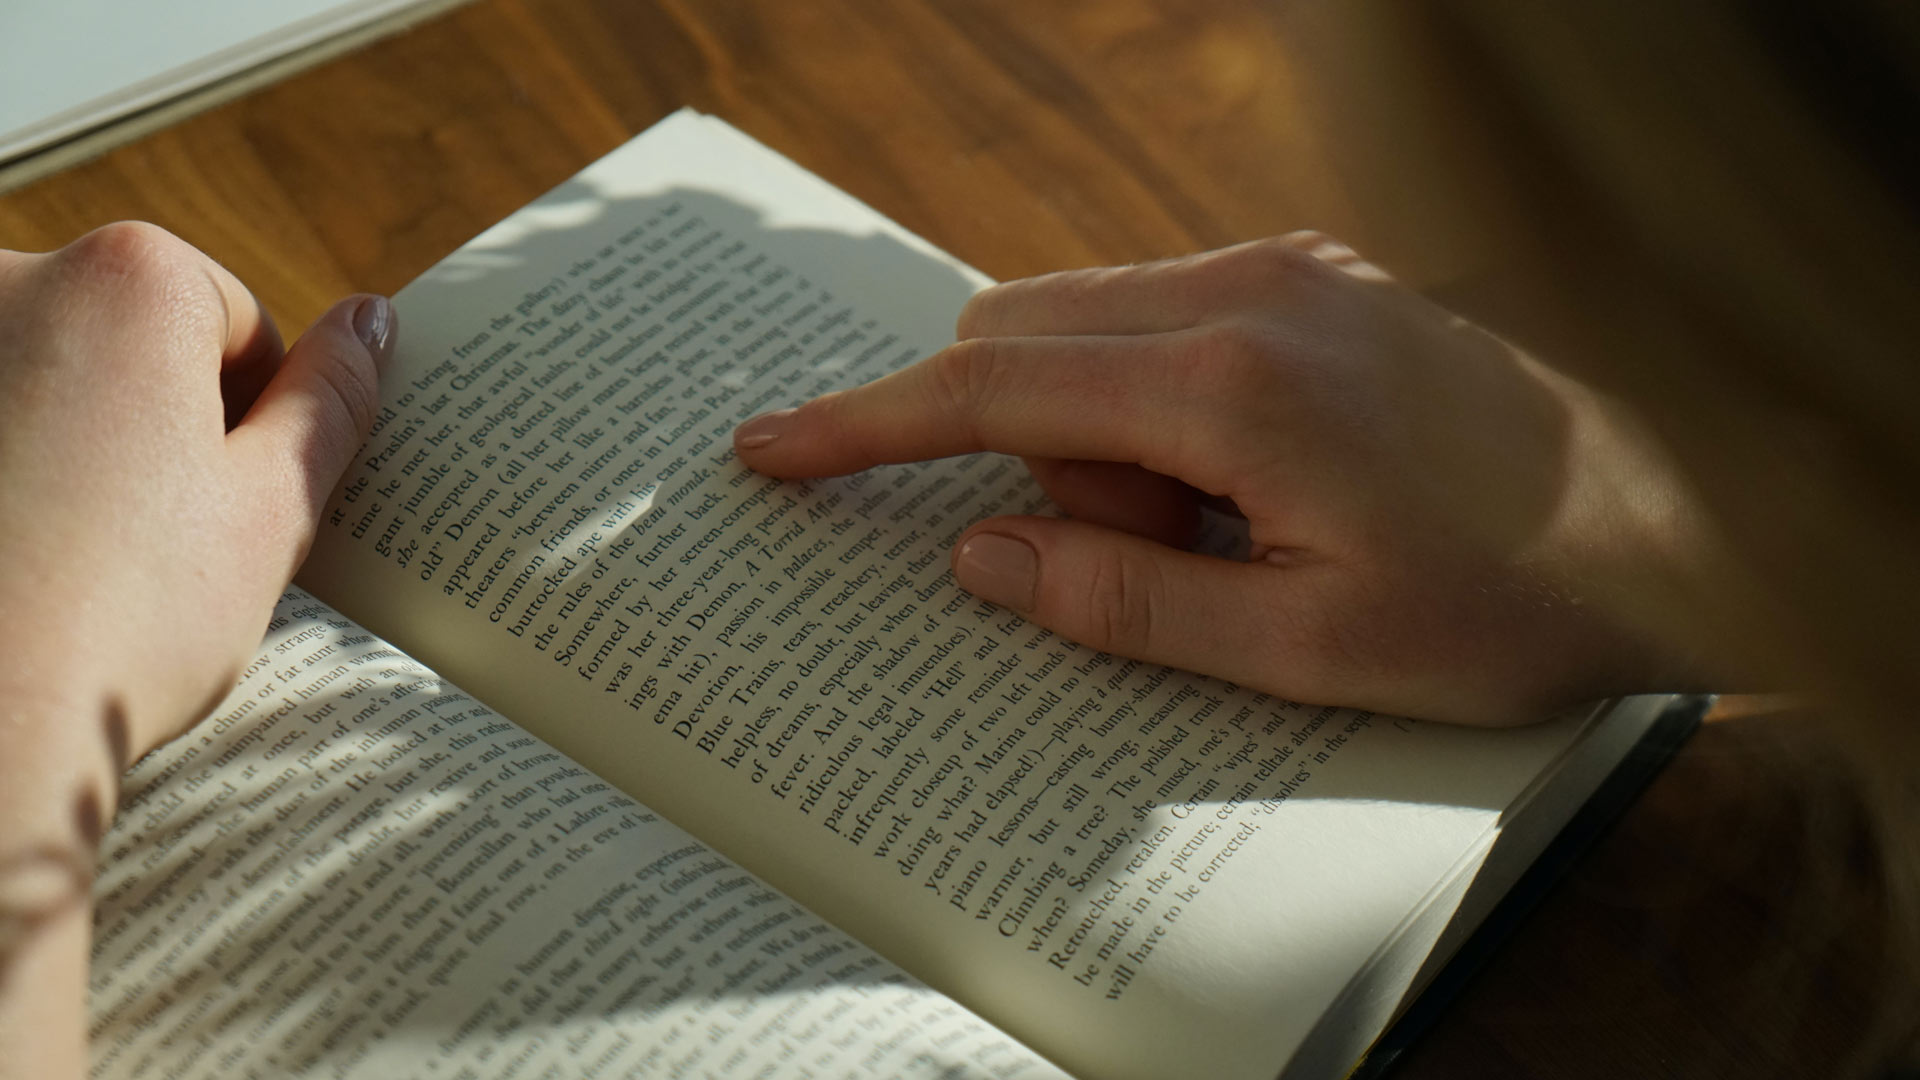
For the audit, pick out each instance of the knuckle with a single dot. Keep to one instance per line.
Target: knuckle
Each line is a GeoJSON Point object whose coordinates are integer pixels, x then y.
{"type": "Point", "coordinates": [1333, 254]}
{"type": "Point", "coordinates": [1233, 359]}
{"type": "Point", "coordinates": [979, 315]}
{"type": "Point", "coordinates": [144, 268]}
{"type": "Point", "coordinates": [1017, 308]}
{"type": "Point", "coordinates": [837, 418]}
{"type": "Point", "coordinates": [1123, 597]}
{"type": "Point", "coordinates": [1311, 241]}
{"type": "Point", "coordinates": [963, 378]}
{"type": "Point", "coordinates": [1289, 258]}
{"type": "Point", "coordinates": [1281, 263]}
{"type": "Point", "coordinates": [133, 250]}
{"type": "Point", "coordinates": [1241, 374]}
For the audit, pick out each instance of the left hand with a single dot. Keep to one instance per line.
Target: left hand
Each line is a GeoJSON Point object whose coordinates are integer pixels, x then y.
{"type": "Point", "coordinates": [162, 464]}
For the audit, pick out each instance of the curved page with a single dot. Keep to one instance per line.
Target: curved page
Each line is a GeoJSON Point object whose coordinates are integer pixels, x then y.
{"type": "Point", "coordinates": [355, 870]}
{"type": "Point", "coordinates": [1135, 871]}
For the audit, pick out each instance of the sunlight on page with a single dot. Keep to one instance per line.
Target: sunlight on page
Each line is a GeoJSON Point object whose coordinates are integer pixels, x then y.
{"type": "Point", "coordinates": [581, 207]}
{"type": "Point", "coordinates": [789, 669]}
{"type": "Point", "coordinates": [578, 542]}
{"type": "Point", "coordinates": [352, 867]}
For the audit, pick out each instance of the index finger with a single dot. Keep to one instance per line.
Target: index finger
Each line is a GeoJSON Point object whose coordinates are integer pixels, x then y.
{"type": "Point", "coordinates": [1085, 398]}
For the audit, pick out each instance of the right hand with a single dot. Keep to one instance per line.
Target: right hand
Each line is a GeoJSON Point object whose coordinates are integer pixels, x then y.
{"type": "Point", "coordinates": [1442, 526]}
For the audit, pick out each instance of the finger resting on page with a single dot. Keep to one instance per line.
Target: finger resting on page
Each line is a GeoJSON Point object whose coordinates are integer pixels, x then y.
{"type": "Point", "coordinates": [1137, 598]}
{"type": "Point", "coordinates": [1089, 398]}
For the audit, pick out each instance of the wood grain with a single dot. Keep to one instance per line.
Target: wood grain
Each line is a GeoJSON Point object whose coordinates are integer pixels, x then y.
{"type": "Point", "coordinates": [1022, 137]}
{"type": "Point", "coordinates": [1727, 927]}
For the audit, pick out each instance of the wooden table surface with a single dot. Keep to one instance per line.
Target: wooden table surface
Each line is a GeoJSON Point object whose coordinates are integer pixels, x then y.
{"type": "Point", "coordinates": [1727, 927]}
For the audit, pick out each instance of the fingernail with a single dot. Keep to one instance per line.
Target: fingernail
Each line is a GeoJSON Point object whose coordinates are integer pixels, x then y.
{"type": "Point", "coordinates": [998, 569]}
{"type": "Point", "coordinates": [761, 430]}
{"type": "Point", "coordinates": [373, 325]}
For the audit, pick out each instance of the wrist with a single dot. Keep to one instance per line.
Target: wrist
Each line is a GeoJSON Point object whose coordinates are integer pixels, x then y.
{"type": "Point", "coordinates": [65, 743]}
{"type": "Point", "coordinates": [102, 676]}
{"type": "Point", "coordinates": [1646, 553]}
{"type": "Point", "coordinates": [57, 789]}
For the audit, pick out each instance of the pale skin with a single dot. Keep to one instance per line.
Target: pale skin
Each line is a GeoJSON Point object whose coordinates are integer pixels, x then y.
{"type": "Point", "coordinates": [162, 463]}
{"type": "Point", "coordinates": [1441, 524]}
{"type": "Point", "coordinates": [1442, 527]}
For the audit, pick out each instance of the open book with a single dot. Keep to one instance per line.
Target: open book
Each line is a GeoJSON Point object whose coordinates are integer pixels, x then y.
{"type": "Point", "coordinates": [746, 786]}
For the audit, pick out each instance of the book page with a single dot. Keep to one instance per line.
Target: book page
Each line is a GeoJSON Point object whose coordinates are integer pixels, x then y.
{"type": "Point", "coordinates": [1132, 869]}
{"type": "Point", "coordinates": [355, 870]}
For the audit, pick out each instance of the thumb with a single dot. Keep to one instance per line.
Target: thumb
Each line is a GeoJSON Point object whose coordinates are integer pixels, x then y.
{"type": "Point", "coordinates": [314, 414]}
{"type": "Point", "coordinates": [1131, 596]}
